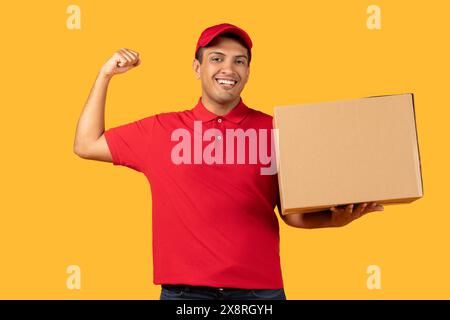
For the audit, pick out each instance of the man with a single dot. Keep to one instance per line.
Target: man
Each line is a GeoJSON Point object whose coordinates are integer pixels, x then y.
{"type": "Point", "coordinates": [215, 233]}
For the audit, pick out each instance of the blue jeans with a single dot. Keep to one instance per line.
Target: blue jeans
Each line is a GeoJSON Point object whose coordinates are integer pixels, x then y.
{"type": "Point", "coordinates": [186, 292]}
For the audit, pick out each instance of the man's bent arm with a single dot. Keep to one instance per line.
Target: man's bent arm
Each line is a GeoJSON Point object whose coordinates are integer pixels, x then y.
{"type": "Point", "coordinates": [90, 142]}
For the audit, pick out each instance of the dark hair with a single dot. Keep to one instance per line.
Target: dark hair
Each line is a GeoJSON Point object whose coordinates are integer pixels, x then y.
{"type": "Point", "coordinates": [199, 54]}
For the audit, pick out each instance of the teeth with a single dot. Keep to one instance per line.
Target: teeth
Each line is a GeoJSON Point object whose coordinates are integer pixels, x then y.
{"type": "Point", "coordinates": [223, 81]}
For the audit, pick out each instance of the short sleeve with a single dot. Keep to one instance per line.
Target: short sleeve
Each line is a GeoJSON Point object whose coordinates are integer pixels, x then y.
{"type": "Point", "coordinates": [130, 143]}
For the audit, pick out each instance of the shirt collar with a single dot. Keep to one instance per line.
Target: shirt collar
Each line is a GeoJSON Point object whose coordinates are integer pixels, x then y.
{"type": "Point", "coordinates": [236, 115]}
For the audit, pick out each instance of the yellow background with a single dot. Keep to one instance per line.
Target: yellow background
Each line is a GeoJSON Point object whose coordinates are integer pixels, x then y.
{"type": "Point", "coordinates": [59, 210]}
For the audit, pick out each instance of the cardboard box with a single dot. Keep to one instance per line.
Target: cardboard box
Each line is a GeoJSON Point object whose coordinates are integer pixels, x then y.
{"type": "Point", "coordinates": [351, 151]}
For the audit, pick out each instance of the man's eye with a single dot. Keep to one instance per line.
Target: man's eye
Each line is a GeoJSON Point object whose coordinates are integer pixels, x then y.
{"type": "Point", "coordinates": [215, 59]}
{"type": "Point", "coordinates": [241, 61]}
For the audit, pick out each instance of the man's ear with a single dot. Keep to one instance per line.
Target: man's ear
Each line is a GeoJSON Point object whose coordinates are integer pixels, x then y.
{"type": "Point", "coordinates": [196, 68]}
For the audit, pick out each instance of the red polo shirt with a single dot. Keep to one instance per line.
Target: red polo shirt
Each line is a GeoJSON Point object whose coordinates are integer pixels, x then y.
{"type": "Point", "coordinates": [213, 224]}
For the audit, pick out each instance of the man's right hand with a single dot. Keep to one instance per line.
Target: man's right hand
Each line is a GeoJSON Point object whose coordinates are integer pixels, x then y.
{"type": "Point", "coordinates": [122, 61]}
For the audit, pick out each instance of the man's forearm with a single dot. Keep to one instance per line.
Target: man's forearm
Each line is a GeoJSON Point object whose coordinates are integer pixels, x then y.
{"type": "Point", "coordinates": [334, 217]}
{"type": "Point", "coordinates": [91, 124]}
{"type": "Point", "coordinates": [311, 220]}
{"type": "Point", "coordinates": [320, 219]}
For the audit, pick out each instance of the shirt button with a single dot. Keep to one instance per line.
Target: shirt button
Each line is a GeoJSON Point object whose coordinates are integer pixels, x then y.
{"type": "Point", "coordinates": [219, 120]}
{"type": "Point", "coordinates": [219, 138]}
{"type": "Point", "coordinates": [220, 289]}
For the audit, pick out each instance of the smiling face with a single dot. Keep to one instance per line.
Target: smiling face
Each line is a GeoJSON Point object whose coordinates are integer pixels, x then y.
{"type": "Point", "coordinates": [224, 70]}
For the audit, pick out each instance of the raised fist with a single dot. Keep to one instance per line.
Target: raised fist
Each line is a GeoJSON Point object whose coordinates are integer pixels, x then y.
{"type": "Point", "coordinates": [121, 61]}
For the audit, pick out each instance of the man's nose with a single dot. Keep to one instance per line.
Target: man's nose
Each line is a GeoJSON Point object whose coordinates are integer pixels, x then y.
{"type": "Point", "coordinates": [228, 66]}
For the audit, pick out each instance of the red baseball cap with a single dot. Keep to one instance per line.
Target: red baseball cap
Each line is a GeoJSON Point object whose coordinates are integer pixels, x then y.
{"type": "Point", "coordinates": [210, 33]}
